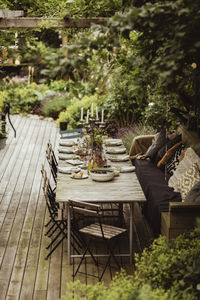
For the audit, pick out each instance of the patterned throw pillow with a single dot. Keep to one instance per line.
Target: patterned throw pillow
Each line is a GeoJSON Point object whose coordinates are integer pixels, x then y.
{"type": "Point", "coordinates": [173, 162]}
{"type": "Point", "coordinates": [189, 158]}
{"type": "Point", "coordinates": [188, 180]}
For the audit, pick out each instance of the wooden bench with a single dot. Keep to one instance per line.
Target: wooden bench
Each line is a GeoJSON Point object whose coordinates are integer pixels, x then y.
{"type": "Point", "coordinates": [181, 217]}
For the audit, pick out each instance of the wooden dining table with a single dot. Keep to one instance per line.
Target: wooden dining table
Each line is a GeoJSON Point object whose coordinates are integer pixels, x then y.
{"type": "Point", "coordinates": [123, 189]}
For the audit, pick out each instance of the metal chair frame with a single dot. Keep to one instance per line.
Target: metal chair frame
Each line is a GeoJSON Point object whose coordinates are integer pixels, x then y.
{"type": "Point", "coordinates": [57, 225]}
{"type": "Point", "coordinates": [97, 230]}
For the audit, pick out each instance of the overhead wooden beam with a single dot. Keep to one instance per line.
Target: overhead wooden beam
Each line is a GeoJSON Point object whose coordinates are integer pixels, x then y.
{"type": "Point", "coordinates": [49, 22]}
{"type": "Point", "coordinates": [5, 13]}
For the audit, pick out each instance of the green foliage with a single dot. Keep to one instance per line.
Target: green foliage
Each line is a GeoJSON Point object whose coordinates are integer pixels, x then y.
{"type": "Point", "coordinates": [173, 266]}
{"type": "Point", "coordinates": [24, 98]}
{"type": "Point", "coordinates": [165, 271]}
{"type": "Point", "coordinates": [54, 105]}
{"type": "Point", "coordinates": [73, 112]}
{"type": "Point", "coordinates": [128, 134]}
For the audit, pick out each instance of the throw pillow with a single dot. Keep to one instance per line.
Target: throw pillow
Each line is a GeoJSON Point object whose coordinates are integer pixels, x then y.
{"type": "Point", "coordinates": [173, 162]}
{"type": "Point", "coordinates": [159, 141]}
{"type": "Point", "coordinates": [188, 180]}
{"type": "Point", "coordinates": [194, 194]}
{"type": "Point", "coordinates": [168, 155]}
{"type": "Point", "coordinates": [169, 143]}
{"type": "Point", "coordinates": [189, 158]}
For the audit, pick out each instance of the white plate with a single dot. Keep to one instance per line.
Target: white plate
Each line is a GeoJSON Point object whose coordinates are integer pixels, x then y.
{"type": "Point", "coordinates": [79, 178]}
{"type": "Point", "coordinates": [68, 170]}
{"type": "Point", "coordinates": [113, 150]}
{"type": "Point", "coordinates": [119, 158]}
{"type": "Point", "coordinates": [127, 169]}
{"type": "Point", "coordinates": [67, 150]}
{"type": "Point", "coordinates": [67, 143]}
{"type": "Point", "coordinates": [67, 156]}
{"type": "Point", "coordinates": [74, 162]}
{"type": "Point", "coordinates": [113, 142]}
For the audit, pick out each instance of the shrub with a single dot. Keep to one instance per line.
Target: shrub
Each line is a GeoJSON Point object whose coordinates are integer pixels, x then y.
{"type": "Point", "coordinates": [127, 134]}
{"type": "Point", "coordinates": [54, 105]}
{"type": "Point", "coordinates": [164, 271]}
{"type": "Point", "coordinates": [73, 111]}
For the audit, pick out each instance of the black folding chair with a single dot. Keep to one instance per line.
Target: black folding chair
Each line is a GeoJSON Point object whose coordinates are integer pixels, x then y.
{"type": "Point", "coordinates": [58, 224]}
{"type": "Point", "coordinates": [95, 230]}
{"type": "Point", "coordinates": [51, 158]}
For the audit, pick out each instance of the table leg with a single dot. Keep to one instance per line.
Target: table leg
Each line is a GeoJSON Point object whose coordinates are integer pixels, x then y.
{"type": "Point", "coordinates": [131, 231]}
{"type": "Point", "coordinates": [68, 235]}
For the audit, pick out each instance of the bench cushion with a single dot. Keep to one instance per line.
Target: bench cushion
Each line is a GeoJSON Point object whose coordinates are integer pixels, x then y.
{"type": "Point", "coordinates": [156, 190]}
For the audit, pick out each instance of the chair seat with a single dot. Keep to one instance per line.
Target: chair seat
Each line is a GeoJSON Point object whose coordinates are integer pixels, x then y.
{"type": "Point", "coordinates": [108, 230]}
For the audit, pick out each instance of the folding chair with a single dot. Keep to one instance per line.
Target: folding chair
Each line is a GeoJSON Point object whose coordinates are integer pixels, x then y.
{"type": "Point", "coordinates": [51, 158]}
{"type": "Point", "coordinates": [71, 133]}
{"type": "Point", "coordinates": [58, 223]}
{"type": "Point", "coordinates": [96, 230]}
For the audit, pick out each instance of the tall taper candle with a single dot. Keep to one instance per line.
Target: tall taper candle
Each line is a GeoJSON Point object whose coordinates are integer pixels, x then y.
{"type": "Point", "coordinates": [102, 115]}
{"type": "Point", "coordinates": [97, 116]}
{"type": "Point", "coordinates": [92, 109]}
{"type": "Point", "coordinates": [87, 118]}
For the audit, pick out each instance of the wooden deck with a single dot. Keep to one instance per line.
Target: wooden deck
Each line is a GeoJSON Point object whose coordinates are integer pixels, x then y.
{"type": "Point", "coordinates": [24, 273]}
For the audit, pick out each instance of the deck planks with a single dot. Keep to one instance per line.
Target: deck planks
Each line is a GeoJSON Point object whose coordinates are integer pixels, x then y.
{"type": "Point", "coordinates": [24, 272]}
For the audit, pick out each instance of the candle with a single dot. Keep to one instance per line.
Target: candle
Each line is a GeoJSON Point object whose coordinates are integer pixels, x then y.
{"type": "Point", "coordinates": [81, 113]}
{"type": "Point", "coordinates": [87, 118]}
{"type": "Point", "coordinates": [92, 109]}
{"type": "Point", "coordinates": [102, 115]}
{"type": "Point", "coordinates": [97, 116]}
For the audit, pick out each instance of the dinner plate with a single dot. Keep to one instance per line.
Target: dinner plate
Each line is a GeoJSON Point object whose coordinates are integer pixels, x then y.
{"type": "Point", "coordinates": [67, 143]}
{"type": "Point", "coordinates": [119, 157]}
{"type": "Point", "coordinates": [127, 169]}
{"type": "Point", "coordinates": [68, 170]}
{"type": "Point", "coordinates": [67, 150]}
{"type": "Point", "coordinates": [74, 162]}
{"type": "Point", "coordinates": [113, 150]}
{"type": "Point", "coordinates": [113, 142]}
{"type": "Point", "coordinates": [79, 178]}
{"type": "Point", "coordinates": [67, 156]}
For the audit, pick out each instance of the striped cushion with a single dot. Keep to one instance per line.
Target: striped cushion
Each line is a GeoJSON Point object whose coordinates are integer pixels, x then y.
{"type": "Point", "coordinates": [188, 180]}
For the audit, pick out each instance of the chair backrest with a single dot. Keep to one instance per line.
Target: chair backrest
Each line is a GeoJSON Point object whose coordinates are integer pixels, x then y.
{"type": "Point", "coordinates": [85, 208]}
{"type": "Point", "coordinates": [48, 192]}
{"type": "Point", "coordinates": [71, 133]}
{"type": "Point", "coordinates": [51, 158]}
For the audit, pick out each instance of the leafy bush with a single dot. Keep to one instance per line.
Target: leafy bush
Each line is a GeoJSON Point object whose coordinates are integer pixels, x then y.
{"type": "Point", "coordinates": [73, 111]}
{"type": "Point", "coordinates": [54, 105]}
{"type": "Point", "coordinates": [127, 134]}
{"type": "Point", "coordinates": [163, 271]}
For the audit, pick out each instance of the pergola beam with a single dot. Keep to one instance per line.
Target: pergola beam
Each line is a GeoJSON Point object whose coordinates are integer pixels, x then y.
{"type": "Point", "coordinates": [8, 23]}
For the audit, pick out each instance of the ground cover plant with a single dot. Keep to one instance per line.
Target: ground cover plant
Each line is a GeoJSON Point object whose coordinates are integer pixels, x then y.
{"type": "Point", "coordinates": [163, 271]}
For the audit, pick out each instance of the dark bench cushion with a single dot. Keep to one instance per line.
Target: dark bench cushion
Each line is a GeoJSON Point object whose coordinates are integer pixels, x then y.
{"type": "Point", "coordinates": [156, 190]}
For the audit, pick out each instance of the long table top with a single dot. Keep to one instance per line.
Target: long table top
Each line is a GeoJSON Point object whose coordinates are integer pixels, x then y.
{"type": "Point", "coordinates": [123, 188]}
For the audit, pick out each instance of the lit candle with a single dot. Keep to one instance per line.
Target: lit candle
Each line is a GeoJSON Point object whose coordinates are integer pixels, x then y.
{"type": "Point", "coordinates": [87, 118]}
{"type": "Point", "coordinates": [97, 116]}
{"type": "Point", "coordinates": [102, 115]}
{"type": "Point", "coordinates": [81, 113]}
{"type": "Point", "coordinates": [92, 109]}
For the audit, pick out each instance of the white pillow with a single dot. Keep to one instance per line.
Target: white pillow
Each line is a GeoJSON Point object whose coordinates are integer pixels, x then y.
{"type": "Point", "coordinates": [190, 157]}
{"type": "Point", "coordinates": [188, 180]}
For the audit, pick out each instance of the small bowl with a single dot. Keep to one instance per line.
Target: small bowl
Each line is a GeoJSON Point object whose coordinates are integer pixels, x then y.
{"type": "Point", "coordinates": [102, 174]}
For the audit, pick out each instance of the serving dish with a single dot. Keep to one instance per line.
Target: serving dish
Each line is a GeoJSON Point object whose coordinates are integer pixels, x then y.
{"type": "Point", "coordinates": [102, 174]}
